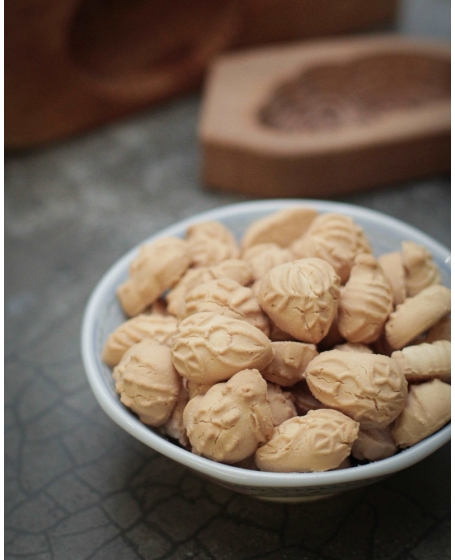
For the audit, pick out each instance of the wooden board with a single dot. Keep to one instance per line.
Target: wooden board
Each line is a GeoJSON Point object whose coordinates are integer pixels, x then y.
{"type": "Point", "coordinates": [314, 120]}
{"type": "Point", "coordinates": [71, 65]}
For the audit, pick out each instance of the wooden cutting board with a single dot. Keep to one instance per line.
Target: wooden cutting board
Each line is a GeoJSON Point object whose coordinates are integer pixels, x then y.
{"type": "Point", "coordinates": [71, 65]}
{"type": "Point", "coordinates": [322, 118]}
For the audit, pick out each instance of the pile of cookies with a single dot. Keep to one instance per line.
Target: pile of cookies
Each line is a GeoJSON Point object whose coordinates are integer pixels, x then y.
{"type": "Point", "coordinates": [294, 351]}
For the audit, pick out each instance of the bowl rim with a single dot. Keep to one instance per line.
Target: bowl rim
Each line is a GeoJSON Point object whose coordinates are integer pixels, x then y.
{"type": "Point", "coordinates": [227, 473]}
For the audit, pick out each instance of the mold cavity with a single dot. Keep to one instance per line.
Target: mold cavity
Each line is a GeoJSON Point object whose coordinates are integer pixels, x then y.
{"type": "Point", "coordinates": [338, 95]}
{"type": "Point", "coordinates": [123, 38]}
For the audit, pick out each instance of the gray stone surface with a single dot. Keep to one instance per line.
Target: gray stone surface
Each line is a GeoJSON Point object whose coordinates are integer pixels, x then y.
{"type": "Point", "coordinates": [76, 485]}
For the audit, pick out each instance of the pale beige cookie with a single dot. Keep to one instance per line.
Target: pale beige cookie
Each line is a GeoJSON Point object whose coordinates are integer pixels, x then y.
{"type": "Point", "coordinates": [157, 267]}
{"type": "Point", "coordinates": [374, 445]}
{"type": "Point", "coordinates": [369, 388]}
{"type": "Point", "coordinates": [440, 331]}
{"type": "Point", "coordinates": [416, 315]}
{"type": "Point", "coordinates": [208, 251]}
{"type": "Point", "coordinates": [334, 238]}
{"type": "Point", "coordinates": [289, 362]}
{"type": "Point", "coordinates": [227, 297]}
{"type": "Point", "coordinates": [157, 327]}
{"type": "Point", "coordinates": [365, 301]}
{"type": "Point", "coordinates": [231, 268]}
{"type": "Point", "coordinates": [209, 348]}
{"type": "Point", "coordinates": [425, 361]}
{"type": "Point", "coordinates": [281, 228]}
{"type": "Point", "coordinates": [148, 382]}
{"type": "Point", "coordinates": [420, 270]}
{"type": "Point", "coordinates": [353, 347]}
{"type": "Point", "coordinates": [197, 388]}
{"type": "Point", "coordinates": [231, 419]}
{"type": "Point", "coordinates": [237, 269]}
{"type": "Point", "coordinates": [175, 298]}
{"type": "Point", "coordinates": [174, 426]}
{"type": "Point", "coordinates": [210, 243]}
{"type": "Point", "coordinates": [301, 297]}
{"type": "Point", "coordinates": [264, 256]}
{"type": "Point", "coordinates": [304, 400]}
{"type": "Point", "coordinates": [255, 287]}
{"type": "Point", "coordinates": [212, 229]}
{"type": "Point", "coordinates": [427, 410]}
{"type": "Point", "coordinates": [281, 404]}
{"type": "Point", "coordinates": [392, 266]}
{"type": "Point", "coordinates": [319, 441]}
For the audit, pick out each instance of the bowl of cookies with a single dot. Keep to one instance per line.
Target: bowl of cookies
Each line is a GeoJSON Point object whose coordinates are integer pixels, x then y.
{"type": "Point", "coordinates": [285, 349]}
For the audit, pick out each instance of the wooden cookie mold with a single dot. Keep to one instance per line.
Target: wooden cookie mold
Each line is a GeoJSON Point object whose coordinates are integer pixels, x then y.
{"type": "Point", "coordinates": [71, 65]}
{"type": "Point", "coordinates": [331, 116]}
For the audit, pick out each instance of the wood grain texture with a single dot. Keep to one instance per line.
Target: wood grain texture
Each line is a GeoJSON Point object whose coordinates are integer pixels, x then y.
{"type": "Point", "coordinates": [354, 147]}
{"type": "Point", "coordinates": [71, 65]}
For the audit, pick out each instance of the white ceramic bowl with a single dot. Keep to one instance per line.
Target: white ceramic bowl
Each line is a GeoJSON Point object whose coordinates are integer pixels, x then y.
{"type": "Point", "coordinates": [103, 315]}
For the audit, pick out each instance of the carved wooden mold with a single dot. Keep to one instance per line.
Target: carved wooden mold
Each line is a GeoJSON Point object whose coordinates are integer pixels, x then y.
{"type": "Point", "coordinates": [321, 118]}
